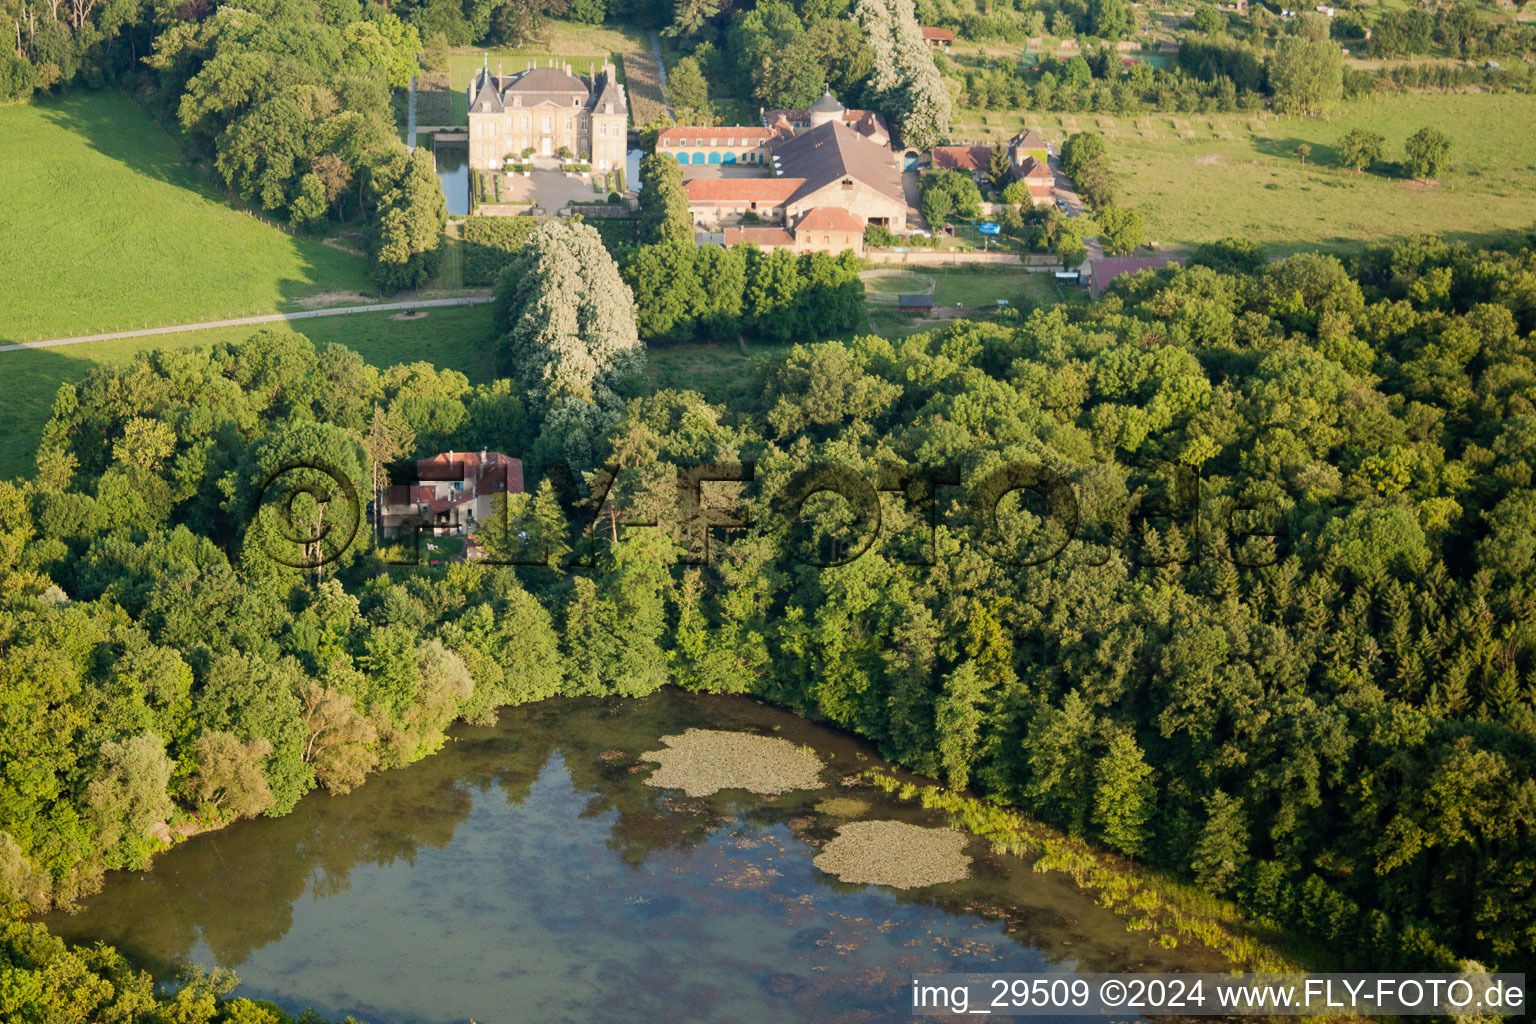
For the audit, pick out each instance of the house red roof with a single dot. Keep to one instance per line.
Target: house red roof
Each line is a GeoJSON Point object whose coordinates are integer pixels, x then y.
{"type": "Point", "coordinates": [1028, 139]}
{"type": "Point", "coordinates": [491, 472]}
{"type": "Point", "coordinates": [506, 478]}
{"type": "Point", "coordinates": [1105, 269]}
{"type": "Point", "coordinates": [1033, 170]}
{"type": "Point", "coordinates": [829, 218]}
{"type": "Point", "coordinates": [741, 190]}
{"type": "Point", "coordinates": [938, 35]}
{"type": "Point", "coordinates": [768, 238]}
{"type": "Point", "coordinates": [688, 135]}
{"type": "Point", "coordinates": [865, 122]}
{"type": "Point", "coordinates": [407, 494]}
{"type": "Point", "coordinates": [961, 158]}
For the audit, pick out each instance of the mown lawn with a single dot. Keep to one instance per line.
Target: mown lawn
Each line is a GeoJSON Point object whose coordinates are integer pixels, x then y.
{"type": "Point", "coordinates": [1198, 177]}
{"type": "Point", "coordinates": [104, 226]}
{"type": "Point", "coordinates": [977, 288]}
{"type": "Point", "coordinates": [454, 338]}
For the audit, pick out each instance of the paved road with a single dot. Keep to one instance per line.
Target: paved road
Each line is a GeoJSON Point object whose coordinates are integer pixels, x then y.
{"type": "Point", "coordinates": [661, 73]}
{"type": "Point", "coordinates": [272, 318]}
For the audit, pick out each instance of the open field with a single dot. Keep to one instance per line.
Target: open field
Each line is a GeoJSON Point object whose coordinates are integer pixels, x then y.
{"type": "Point", "coordinates": [1198, 177]}
{"type": "Point", "coordinates": [963, 286]}
{"type": "Point", "coordinates": [977, 288]}
{"type": "Point", "coordinates": [452, 338]}
{"type": "Point", "coordinates": [104, 226]}
{"type": "Point", "coordinates": [716, 370]}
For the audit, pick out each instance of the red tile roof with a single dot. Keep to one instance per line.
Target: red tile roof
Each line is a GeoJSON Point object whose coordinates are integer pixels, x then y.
{"type": "Point", "coordinates": [833, 152]}
{"type": "Point", "coordinates": [494, 468]}
{"type": "Point", "coordinates": [502, 479]}
{"type": "Point", "coordinates": [1034, 169]}
{"type": "Point", "coordinates": [1028, 139]}
{"type": "Point", "coordinates": [865, 122]}
{"type": "Point", "coordinates": [686, 135]}
{"type": "Point", "coordinates": [407, 494]}
{"type": "Point", "coordinates": [939, 35]}
{"type": "Point", "coordinates": [829, 218]}
{"type": "Point", "coordinates": [768, 238]}
{"type": "Point", "coordinates": [961, 158]}
{"type": "Point", "coordinates": [741, 190]}
{"type": "Point", "coordinates": [1105, 269]}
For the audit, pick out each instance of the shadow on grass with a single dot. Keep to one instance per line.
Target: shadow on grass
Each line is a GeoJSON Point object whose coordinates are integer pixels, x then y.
{"type": "Point", "coordinates": [32, 379]}
{"type": "Point", "coordinates": [118, 127]}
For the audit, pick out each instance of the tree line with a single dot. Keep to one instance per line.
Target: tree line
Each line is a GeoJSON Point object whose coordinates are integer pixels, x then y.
{"type": "Point", "coordinates": [683, 291]}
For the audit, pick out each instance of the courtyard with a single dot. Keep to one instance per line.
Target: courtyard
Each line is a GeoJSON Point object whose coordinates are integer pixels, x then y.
{"type": "Point", "coordinates": [549, 190]}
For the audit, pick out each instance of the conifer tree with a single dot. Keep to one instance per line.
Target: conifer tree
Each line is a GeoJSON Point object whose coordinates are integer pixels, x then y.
{"type": "Point", "coordinates": [1122, 795]}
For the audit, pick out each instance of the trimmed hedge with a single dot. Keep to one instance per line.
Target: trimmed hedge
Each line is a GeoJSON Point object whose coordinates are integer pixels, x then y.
{"type": "Point", "coordinates": [617, 232]}
{"type": "Point", "coordinates": [489, 243]}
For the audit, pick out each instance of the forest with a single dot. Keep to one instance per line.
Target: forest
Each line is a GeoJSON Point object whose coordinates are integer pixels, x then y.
{"type": "Point", "coordinates": [1282, 644]}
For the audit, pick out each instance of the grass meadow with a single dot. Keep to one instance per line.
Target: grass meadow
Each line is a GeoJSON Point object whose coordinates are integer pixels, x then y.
{"type": "Point", "coordinates": [1198, 177]}
{"type": "Point", "coordinates": [105, 226]}
{"type": "Point", "coordinates": [453, 338]}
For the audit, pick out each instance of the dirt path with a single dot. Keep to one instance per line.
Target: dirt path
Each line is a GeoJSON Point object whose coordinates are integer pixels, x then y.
{"type": "Point", "coordinates": [271, 318]}
{"type": "Point", "coordinates": [661, 74]}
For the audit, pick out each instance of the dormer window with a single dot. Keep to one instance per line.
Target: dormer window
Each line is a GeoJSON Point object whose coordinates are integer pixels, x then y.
{"type": "Point", "coordinates": [607, 108]}
{"type": "Point", "coordinates": [517, 101]}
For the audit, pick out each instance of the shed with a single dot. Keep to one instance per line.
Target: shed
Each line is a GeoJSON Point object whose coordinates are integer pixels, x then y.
{"type": "Point", "coordinates": [915, 302]}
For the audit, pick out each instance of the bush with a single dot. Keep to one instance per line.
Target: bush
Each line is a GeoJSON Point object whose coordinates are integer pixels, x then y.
{"type": "Point", "coordinates": [878, 236]}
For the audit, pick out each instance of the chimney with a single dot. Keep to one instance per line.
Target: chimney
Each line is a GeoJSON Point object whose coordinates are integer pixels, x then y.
{"type": "Point", "coordinates": [498, 67]}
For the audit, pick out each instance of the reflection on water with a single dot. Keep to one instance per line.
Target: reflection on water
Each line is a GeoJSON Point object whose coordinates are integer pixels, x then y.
{"type": "Point", "coordinates": [453, 174]}
{"type": "Point", "coordinates": [526, 873]}
{"type": "Point", "coordinates": [632, 169]}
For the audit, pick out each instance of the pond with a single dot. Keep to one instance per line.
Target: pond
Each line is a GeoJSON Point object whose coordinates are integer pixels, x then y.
{"type": "Point", "coordinates": [453, 175]}
{"type": "Point", "coordinates": [632, 169]}
{"type": "Point", "coordinates": [528, 873]}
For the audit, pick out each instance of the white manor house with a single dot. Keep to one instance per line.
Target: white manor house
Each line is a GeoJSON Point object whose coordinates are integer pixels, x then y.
{"type": "Point", "coordinates": [546, 109]}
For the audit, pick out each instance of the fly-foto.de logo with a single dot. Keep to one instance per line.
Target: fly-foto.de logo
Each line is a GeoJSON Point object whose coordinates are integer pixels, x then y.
{"type": "Point", "coordinates": [1020, 514]}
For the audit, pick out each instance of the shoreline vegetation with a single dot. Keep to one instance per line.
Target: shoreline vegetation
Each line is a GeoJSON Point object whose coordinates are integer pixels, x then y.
{"type": "Point", "coordinates": [1146, 900]}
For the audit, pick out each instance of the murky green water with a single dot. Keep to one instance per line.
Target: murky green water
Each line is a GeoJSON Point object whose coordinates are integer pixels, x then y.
{"type": "Point", "coordinates": [526, 873]}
